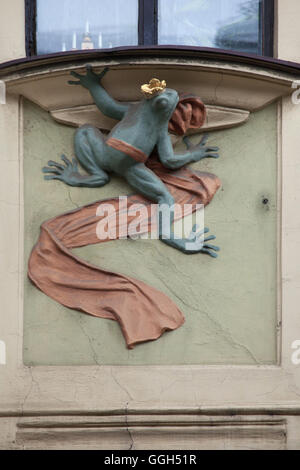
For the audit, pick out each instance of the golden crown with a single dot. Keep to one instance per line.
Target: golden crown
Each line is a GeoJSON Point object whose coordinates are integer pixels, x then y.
{"type": "Point", "coordinates": [154, 87]}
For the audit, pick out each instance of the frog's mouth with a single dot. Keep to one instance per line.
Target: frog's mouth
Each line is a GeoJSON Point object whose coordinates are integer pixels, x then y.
{"type": "Point", "coordinates": [190, 113]}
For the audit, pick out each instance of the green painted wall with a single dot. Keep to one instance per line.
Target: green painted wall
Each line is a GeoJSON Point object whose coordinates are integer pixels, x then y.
{"type": "Point", "coordinates": [229, 303]}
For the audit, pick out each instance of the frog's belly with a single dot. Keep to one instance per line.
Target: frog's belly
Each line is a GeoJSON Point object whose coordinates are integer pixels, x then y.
{"type": "Point", "coordinates": [133, 152]}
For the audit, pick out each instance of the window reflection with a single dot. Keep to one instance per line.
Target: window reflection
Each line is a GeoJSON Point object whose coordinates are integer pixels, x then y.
{"type": "Point", "coordinates": [225, 24]}
{"type": "Point", "coordinates": [64, 25]}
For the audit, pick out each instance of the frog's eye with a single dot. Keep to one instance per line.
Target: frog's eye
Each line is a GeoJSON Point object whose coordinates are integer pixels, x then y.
{"type": "Point", "coordinates": [161, 103]}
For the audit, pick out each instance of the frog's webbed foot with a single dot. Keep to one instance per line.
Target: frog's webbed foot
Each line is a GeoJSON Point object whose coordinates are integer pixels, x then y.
{"type": "Point", "coordinates": [200, 150]}
{"type": "Point", "coordinates": [197, 243]}
{"type": "Point", "coordinates": [68, 173]}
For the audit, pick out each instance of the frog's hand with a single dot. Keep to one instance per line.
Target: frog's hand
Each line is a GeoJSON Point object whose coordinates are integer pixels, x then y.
{"type": "Point", "coordinates": [89, 79]}
{"type": "Point", "coordinates": [200, 150]}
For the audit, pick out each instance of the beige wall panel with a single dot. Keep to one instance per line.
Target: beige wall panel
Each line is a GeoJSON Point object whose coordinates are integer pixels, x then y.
{"type": "Point", "coordinates": [288, 33]}
{"type": "Point", "coordinates": [12, 30]}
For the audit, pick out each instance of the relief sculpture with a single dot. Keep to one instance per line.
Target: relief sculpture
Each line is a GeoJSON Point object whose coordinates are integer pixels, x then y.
{"type": "Point", "coordinates": [139, 149]}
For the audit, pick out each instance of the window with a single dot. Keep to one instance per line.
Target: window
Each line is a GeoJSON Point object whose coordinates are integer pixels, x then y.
{"type": "Point", "coordinates": [85, 24]}
{"type": "Point", "coordinates": [233, 24]}
{"type": "Point", "coordinates": [65, 25]}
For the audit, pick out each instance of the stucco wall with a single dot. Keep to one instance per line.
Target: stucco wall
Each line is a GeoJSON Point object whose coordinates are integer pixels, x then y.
{"type": "Point", "coordinates": [12, 46]}
{"type": "Point", "coordinates": [12, 30]}
{"type": "Point", "coordinates": [287, 37]}
{"type": "Point", "coordinates": [229, 303]}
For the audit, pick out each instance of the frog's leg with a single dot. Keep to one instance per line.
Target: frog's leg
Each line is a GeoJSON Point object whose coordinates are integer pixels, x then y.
{"type": "Point", "coordinates": [90, 150]}
{"type": "Point", "coordinates": [143, 180]}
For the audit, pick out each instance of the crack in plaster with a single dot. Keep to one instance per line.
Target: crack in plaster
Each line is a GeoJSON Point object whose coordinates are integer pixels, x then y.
{"type": "Point", "coordinates": [94, 354]}
{"type": "Point", "coordinates": [70, 198]}
{"type": "Point", "coordinates": [292, 387]}
{"type": "Point", "coordinates": [127, 427]}
{"type": "Point", "coordinates": [32, 382]}
{"type": "Point", "coordinates": [227, 336]}
{"type": "Point", "coordinates": [121, 386]}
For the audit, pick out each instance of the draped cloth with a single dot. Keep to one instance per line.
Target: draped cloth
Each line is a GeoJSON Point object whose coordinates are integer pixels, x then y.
{"type": "Point", "coordinates": [143, 313]}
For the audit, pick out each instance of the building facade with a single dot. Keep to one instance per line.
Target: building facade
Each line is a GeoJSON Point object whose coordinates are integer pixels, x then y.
{"type": "Point", "coordinates": [229, 377]}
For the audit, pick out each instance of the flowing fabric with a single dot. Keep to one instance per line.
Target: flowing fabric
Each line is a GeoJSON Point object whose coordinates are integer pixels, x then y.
{"type": "Point", "coordinates": [143, 313]}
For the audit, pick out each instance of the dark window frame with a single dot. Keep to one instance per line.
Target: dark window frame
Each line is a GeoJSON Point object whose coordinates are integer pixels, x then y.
{"type": "Point", "coordinates": [147, 25]}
